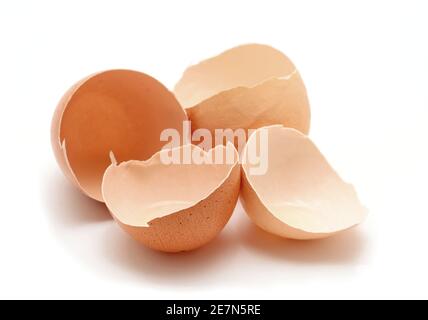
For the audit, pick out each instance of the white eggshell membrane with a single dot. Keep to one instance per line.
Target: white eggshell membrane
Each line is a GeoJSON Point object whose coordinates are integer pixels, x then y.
{"type": "Point", "coordinates": [246, 87]}
{"type": "Point", "coordinates": [174, 207]}
{"type": "Point", "coordinates": [300, 196]}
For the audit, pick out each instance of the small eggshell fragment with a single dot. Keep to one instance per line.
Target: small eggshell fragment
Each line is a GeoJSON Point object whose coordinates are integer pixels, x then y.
{"type": "Point", "coordinates": [246, 87]}
{"type": "Point", "coordinates": [122, 111]}
{"type": "Point", "coordinates": [174, 207]}
{"type": "Point", "coordinates": [300, 196]}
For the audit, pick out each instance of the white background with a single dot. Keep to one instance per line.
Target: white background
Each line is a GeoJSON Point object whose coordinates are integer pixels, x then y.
{"type": "Point", "coordinates": [365, 65]}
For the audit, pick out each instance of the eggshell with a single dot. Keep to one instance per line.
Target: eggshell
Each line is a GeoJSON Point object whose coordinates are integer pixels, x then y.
{"type": "Point", "coordinates": [300, 196]}
{"type": "Point", "coordinates": [246, 87]}
{"type": "Point", "coordinates": [122, 111]}
{"type": "Point", "coordinates": [173, 207]}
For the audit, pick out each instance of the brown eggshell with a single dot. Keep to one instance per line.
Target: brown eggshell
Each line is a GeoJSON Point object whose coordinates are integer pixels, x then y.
{"type": "Point", "coordinates": [173, 207]}
{"type": "Point", "coordinates": [300, 196]}
{"type": "Point", "coordinates": [122, 111]}
{"type": "Point", "coordinates": [246, 87]}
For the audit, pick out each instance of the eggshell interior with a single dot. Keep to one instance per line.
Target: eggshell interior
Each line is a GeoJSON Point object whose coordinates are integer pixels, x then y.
{"type": "Point", "coordinates": [245, 87]}
{"type": "Point", "coordinates": [174, 207]}
{"type": "Point", "coordinates": [300, 196]}
{"type": "Point", "coordinates": [122, 111]}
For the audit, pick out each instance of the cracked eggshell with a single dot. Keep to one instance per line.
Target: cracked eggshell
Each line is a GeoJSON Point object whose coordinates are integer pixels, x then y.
{"type": "Point", "coordinates": [173, 207]}
{"type": "Point", "coordinates": [122, 111]}
{"type": "Point", "coordinates": [300, 196]}
{"type": "Point", "coordinates": [246, 87]}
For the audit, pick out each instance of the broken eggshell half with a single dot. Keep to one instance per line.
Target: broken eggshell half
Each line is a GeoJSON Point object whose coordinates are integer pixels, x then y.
{"type": "Point", "coordinates": [300, 196]}
{"type": "Point", "coordinates": [247, 87]}
{"type": "Point", "coordinates": [122, 111]}
{"type": "Point", "coordinates": [174, 206]}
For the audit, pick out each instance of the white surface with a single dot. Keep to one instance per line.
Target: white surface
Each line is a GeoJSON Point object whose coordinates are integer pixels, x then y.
{"type": "Point", "coordinates": [365, 66]}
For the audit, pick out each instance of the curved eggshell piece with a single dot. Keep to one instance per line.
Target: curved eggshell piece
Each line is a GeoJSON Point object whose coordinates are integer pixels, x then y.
{"type": "Point", "coordinates": [246, 87]}
{"type": "Point", "coordinates": [300, 196]}
{"type": "Point", "coordinates": [122, 111]}
{"type": "Point", "coordinates": [277, 101]}
{"type": "Point", "coordinates": [176, 206]}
